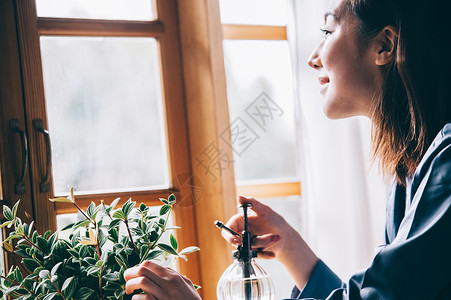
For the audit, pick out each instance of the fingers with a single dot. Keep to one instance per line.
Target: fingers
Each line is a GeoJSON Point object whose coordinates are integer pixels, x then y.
{"type": "Point", "coordinates": [236, 224]}
{"type": "Point", "coordinates": [265, 241]}
{"type": "Point", "coordinates": [147, 270]}
{"type": "Point", "coordinates": [145, 284]}
{"type": "Point", "coordinates": [257, 206]}
{"type": "Point", "coordinates": [143, 297]}
{"type": "Point", "coordinates": [266, 255]}
{"type": "Point", "coordinates": [158, 282]}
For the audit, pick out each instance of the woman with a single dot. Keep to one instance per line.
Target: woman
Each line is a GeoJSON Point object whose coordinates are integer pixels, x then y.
{"type": "Point", "coordinates": [387, 60]}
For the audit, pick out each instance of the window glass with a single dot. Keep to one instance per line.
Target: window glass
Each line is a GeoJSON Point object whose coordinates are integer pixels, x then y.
{"type": "Point", "coordinates": [254, 12]}
{"type": "Point", "coordinates": [96, 9]}
{"type": "Point", "coordinates": [104, 106]}
{"type": "Point", "coordinates": [260, 96]}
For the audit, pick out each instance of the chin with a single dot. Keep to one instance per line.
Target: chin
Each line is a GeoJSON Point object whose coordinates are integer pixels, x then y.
{"type": "Point", "coordinates": [334, 112]}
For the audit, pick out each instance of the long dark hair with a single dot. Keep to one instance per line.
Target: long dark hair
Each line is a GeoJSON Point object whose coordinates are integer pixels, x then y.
{"type": "Point", "coordinates": [414, 103]}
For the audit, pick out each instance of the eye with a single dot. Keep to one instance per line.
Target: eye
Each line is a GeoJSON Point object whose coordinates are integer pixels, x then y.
{"type": "Point", "coordinates": [325, 32]}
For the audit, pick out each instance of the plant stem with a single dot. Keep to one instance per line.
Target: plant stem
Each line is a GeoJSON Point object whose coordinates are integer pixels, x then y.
{"type": "Point", "coordinates": [36, 246]}
{"type": "Point", "coordinates": [158, 238]}
{"type": "Point", "coordinates": [10, 280]}
{"type": "Point", "coordinates": [84, 214]}
{"type": "Point", "coordinates": [130, 236]}
{"type": "Point", "coordinates": [99, 253]}
{"type": "Point", "coordinates": [20, 264]}
{"type": "Point", "coordinates": [100, 282]}
{"type": "Point", "coordinates": [163, 230]}
{"type": "Point", "coordinates": [17, 283]}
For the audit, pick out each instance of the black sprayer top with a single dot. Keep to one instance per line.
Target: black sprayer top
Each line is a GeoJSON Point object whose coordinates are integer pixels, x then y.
{"type": "Point", "coordinates": [244, 252]}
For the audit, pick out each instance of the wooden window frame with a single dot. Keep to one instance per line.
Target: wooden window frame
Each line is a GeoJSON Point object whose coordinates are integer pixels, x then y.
{"type": "Point", "coordinates": [190, 39]}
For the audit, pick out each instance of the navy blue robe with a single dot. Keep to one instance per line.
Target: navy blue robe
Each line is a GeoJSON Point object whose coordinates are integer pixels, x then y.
{"type": "Point", "coordinates": [415, 263]}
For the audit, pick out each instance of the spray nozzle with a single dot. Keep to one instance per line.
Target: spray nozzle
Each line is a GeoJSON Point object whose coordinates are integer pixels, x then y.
{"type": "Point", "coordinates": [243, 252]}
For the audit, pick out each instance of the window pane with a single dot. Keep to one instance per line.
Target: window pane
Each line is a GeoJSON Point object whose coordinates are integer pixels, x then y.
{"type": "Point", "coordinates": [105, 114]}
{"type": "Point", "coordinates": [256, 12]}
{"type": "Point", "coordinates": [96, 9]}
{"type": "Point", "coordinates": [260, 94]}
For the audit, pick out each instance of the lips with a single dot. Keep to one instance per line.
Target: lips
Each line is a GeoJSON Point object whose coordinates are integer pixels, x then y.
{"type": "Point", "coordinates": [323, 80]}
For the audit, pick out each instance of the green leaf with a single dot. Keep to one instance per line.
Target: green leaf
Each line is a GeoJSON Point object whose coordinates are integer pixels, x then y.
{"type": "Point", "coordinates": [119, 294]}
{"type": "Point", "coordinates": [17, 275]}
{"type": "Point", "coordinates": [68, 227]}
{"type": "Point", "coordinates": [128, 207]}
{"type": "Point", "coordinates": [7, 213]}
{"type": "Point", "coordinates": [42, 244]}
{"type": "Point", "coordinates": [164, 209]}
{"type": "Point", "coordinates": [55, 268]}
{"type": "Point", "coordinates": [74, 253]}
{"type": "Point", "coordinates": [153, 254]}
{"type": "Point", "coordinates": [44, 274]}
{"type": "Point", "coordinates": [19, 230]}
{"type": "Point", "coordinates": [30, 228]}
{"type": "Point", "coordinates": [111, 276]}
{"type": "Point", "coordinates": [119, 215]}
{"type": "Point", "coordinates": [5, 224]}
{"type": "Point", "coordinates": [99, 263]}
{"type": "Point", "coordinates": [91, 209]}
{"type": "Point", "coordinates": [51, 296]}
{"type": "Point", "coordinates": [34, 237]}
{"type": "Point", "coordinates": [90, 260]}
{"type": "Point", "coordinates": [14, 210]}
{"type": "Point", "coordinates": [51, 240]}
{"type": "Point", "coordinates": [96, 211]}
{"type": "Point", "coordinates": [164, 201]}
{"type": "Point", "coordinates": [93, 271]}
{"type": "Point", "coordinates": [142, 207]}
{"type": "Point", "coordinates": [82, 223]}
{"type": "Point", "coordinates": [189, 250]}
{"type": "Point", "coordinates": [171, 198]}
{"type": "Point", "coordinates": [120, 262]}
{"type": "Point", "coordinates": [173, 241]}
{"type": "Point", "coordinates": [172, 227]}
{"type": "Point", "coordinates": [11, 237]}
{"type": "Point", "coordinates": [30, 264]}
{"type": "Point", "coordinates": [114, 203]}
{"type": "Point", "coordinates": [167, 249]}
{"type": "Point", "coordinates": [114, 223]}
{"type": "Point", "coordinates": [69, 286]}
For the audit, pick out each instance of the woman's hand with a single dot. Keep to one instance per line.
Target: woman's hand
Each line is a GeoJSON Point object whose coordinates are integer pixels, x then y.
{"type": "Point", "coordinates": [158, 283]}
{"type": "Point", "coordinates": [274, 238]}
{"type": "Point", "coordinates": [270, 230]}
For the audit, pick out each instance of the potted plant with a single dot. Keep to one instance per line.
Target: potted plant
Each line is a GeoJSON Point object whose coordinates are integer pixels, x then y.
{"type": "Point", "coordinates": [90, 264]}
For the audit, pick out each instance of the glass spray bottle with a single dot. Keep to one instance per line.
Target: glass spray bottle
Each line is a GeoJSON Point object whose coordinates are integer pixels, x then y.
{"type": "Point", "coordinates": [244, 279]}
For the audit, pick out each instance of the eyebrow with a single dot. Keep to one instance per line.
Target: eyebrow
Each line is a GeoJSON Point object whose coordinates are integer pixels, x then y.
{"type": "Point", "coordinates": [327, 14]}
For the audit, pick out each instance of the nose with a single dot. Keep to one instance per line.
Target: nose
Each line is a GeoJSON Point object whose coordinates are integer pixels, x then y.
{"type": "Point", "coordinates": [314, 60]}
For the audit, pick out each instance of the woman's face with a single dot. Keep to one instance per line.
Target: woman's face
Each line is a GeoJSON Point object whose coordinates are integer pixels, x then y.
{"type": "Point", "coordinates": [348, 75]}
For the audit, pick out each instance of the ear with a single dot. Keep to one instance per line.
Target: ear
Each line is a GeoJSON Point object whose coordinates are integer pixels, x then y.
{"type": "Point", "coordinates": [385, 43]}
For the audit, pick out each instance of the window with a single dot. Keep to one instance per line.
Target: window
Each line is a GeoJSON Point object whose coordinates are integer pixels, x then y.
{"type": "Point", "coordinates": [65, 81]}
{"type": "Point", "coordinates": [261, 105]}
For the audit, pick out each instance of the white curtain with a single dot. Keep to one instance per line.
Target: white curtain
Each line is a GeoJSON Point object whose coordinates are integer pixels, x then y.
{"type": "Point", "coordinates": [343, 191]}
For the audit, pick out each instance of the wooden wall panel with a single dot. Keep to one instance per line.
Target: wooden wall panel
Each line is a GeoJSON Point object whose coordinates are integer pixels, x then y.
{"type": "Point", "coordinates": [208, 122]}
